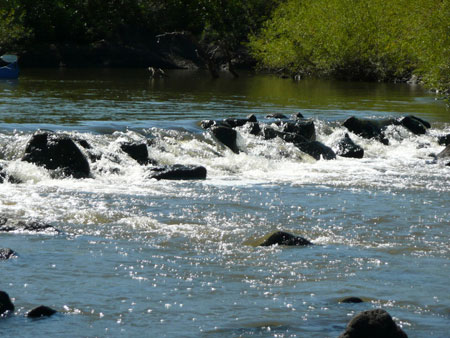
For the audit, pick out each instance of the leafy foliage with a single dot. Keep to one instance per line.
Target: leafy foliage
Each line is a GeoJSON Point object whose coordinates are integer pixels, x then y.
{"type": "Point", "coordinates": [359, 39]}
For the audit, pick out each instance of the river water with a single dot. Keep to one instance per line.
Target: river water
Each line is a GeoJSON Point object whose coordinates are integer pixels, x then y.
{"type": "Point", "coordinates": [138, 257]}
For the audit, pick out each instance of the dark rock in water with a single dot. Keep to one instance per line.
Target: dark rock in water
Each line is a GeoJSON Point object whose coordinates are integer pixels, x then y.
{"type": "Point", "coordinates": [444, 153]}
{"type": "Point", "coordinates": [444, 140]}
{"type": "Point", "coordinates": [373, 324]}
{"type": "Point", "coordinates": [138, 152]}
{"type": "Point", "coordinates": [276, 116]}
{"type": "Point", "coordinates": [270, 133]}
{"type": "Point", "coordinates": [227, 136]}
{"type": "Point", "coordinates": [347, 148]}
{"type": "Point", "coordinates": [252, 118]}
{"type": "Point", "coordinates": [7, 253]}
{"type": "Point", "coordinates": [6, 226]}
{"type": "Point", "coordinates": [5, 304]}
{"type": "Point", "coordinates": [304, 128]}
{"type": "Point", "coordinates": [414, 124]}
{"type": "Point", "coordinates": [297, 116]}
{"type": "Point", "coordinates": [354, 300]}
{"type": "Point", "coordinates": [285, 238]}
{"type": "Point", "coordinates": [83, 143]}
{"type": "Point", "coordinates": [254, 128]}
{"type": "Point", "coordinates": [53, 151]}
{"type": "Point", "coordinates": [317, 150]}
{"type": "Point", "coordinates": [233, 123]}
{"type": "Point", "coordinates": [178, 172]}
{"type": "Point", "coordinates": [369, 128]}
{"type": "Point", "coordinates": [41, 311]}
{"type": "Point", "coordinates": [206, 124]}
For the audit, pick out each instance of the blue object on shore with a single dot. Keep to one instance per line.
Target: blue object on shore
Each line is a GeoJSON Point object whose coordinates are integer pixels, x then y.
{"type": "Point", "coordinates": [11, 69]}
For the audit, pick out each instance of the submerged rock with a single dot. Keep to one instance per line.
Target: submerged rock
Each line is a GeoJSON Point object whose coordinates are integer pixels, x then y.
{"type": "Point", "coordinates": [373, 324]}
{"type": "Point", "coordinates": [56, 152]}
{"type": "Point", "coordinates": [414, 124]}
{"type": "Point", "coordinates": [347, 148]}
{"type": "Point", "coordinates": [8, 226]}
{"type": "Point", "coordinates": [227, 136]}
{"type": "Point", "coordinates": [138, 152]}
{"type": "Point", "coordinates": [370, 129]}
{"type": "Point", "coordinates": [276, 116]}
{"type": "Point", "coordinates": [7, 253]}
{"type": "Point", "coordinates": [178, 172]}
{"type": "Point", "coordinates": [354, 300]}
{"type": "Point", "coordinates": [6, 304]}
{"type": "Point", "coordinates": [285, 238]}
{"type": "Point", "coordinates": [317, 150]}
{"type": "Point", "coordinates": [41, 311]}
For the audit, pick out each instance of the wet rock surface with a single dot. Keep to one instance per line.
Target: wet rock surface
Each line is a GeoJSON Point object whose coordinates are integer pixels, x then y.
{"type": "Point", "coordinates": [178, 172]}
{"type": "Point", "coordinates": [41, 311]}
{"type": "Point", "coordinates": [285, 238]}
{"type": "Point", "coordinates": [7, 253]}
{"type": "Point", "coordinates": [373, 324]}
{"type": "Point", "coordinates": [31, 226]}
{"type": "Point", "coordinates": [138, 152]}
{"type": "Point", "coordinates": [6, 305]}
{"type": "Point", "coordinates": [57, 152]}
{"type": "Point", "coordinates": [351, 300]}
{"type": "Point", "coordinates": [347, 148]}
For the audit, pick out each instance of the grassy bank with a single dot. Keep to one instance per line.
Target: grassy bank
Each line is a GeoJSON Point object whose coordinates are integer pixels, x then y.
{"type": "Point", "coordinates": [359, 40]}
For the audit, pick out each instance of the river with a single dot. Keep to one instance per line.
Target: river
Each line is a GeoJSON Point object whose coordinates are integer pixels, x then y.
{"type": "Point", "coordinates": [137, 257]}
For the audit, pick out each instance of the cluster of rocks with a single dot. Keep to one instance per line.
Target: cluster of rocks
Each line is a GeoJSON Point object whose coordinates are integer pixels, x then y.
{"type": "Point", "coordinates": [63, 155]}
{"type": "Point", "coordinates": [301, 132]}
{"type": "Point", "coordinates": [298, 130]}
{"type": "Point", "coordinates": [7, 308]}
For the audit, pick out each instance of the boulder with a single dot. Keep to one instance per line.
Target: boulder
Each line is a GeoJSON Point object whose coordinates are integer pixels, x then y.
{"type": "Point", "coordinates": [178, 172]}
{"type": "Point", "coordinates": [7, 253]}
{"type": "Point", "coordinates": [285, 238]}
{"type": "Point", "coordinates": [414, 124]}
{"type": "Point", "coordinates": [138, 152]}
{"type": "Point", "coordinates": [373, 324]}
{"type": "Point", "coordinates": [227, 136]}
{"type": "Point", "coordinates": [41, 311]}
{"type": "Point", "coordinates": [370, 129]}
{"type": "Point", "coordinates": [297, 116]}
{"type": "Point", "coordinates": [57, 152]}
{"type": "Point", "coordinates": [254, 128]}
{"type": "Point", "coordinates": [351, 300]}
{"type": "Point", "coordinates": [304, 128]}
{"type": "Point", "coordinates": [444, 140]}
{"type": "Point", "coordinates": [6, 305]}
{"type": "Point", "coordinates": [347, 148]}
{"type": "Point", "coordinates": [317, 150]}
{"type": "Point", "coordinates": [252, 118]}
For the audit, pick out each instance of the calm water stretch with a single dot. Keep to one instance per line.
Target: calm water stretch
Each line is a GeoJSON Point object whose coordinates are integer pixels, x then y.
{"type": "Point", "coordinates": [138, 257]}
